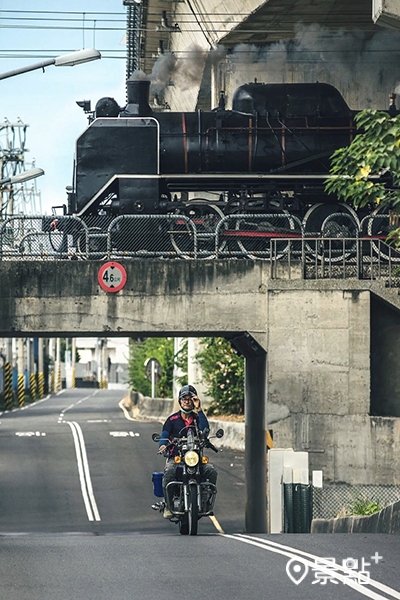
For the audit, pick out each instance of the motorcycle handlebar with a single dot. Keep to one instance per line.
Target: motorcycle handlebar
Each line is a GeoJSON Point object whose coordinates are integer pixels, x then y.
{"type": "Point", "coordinates": [176, 441]}
{"type": "Point", "coordinates": [210, 445]}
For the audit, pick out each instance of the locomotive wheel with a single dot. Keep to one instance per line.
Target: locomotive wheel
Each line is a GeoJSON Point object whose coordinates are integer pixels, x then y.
{"type": "Point", "coordinates": [205, 218]}
{"type": "Point", "coordinates": [256, 239]}
{"type": "Point", "coordinates": [378, 225]}
{"type": "Point", "coordinates": [330, 221]}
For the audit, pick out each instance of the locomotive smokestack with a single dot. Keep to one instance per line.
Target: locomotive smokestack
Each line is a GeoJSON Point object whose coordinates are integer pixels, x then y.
{"type": "Point", "coordinates": [138, 98]}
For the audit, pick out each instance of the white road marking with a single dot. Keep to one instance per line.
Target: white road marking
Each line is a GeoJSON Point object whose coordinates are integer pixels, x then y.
{"type": "Point", "coordinates": [125, 411]}
{"type": "Point", "coordinates": [299, 554]}
{"type": "Point", "coordinates": [98, 421]}
{"type": "Point", "coordinates": [124, 433]}
{"type": "Point", "coordinates": [29, 433]}
{"type": "Point", "coordinates": [62, 413]}
{"type": "Point", "coordinates": [84, 472]}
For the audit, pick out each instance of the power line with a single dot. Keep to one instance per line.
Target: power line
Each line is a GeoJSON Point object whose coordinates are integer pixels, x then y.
{"type": "Point", "coordinates": [60, 12]}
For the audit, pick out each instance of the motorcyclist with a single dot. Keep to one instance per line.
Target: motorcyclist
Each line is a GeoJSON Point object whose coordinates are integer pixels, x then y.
{"type": "Point", "coordinates": [175, 426]}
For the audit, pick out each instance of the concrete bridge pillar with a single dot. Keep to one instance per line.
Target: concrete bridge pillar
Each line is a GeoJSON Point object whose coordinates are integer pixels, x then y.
{"type": "Point", "coordinates": [255, 456]}
{"type": "Point", "coordinates": [255, 450]}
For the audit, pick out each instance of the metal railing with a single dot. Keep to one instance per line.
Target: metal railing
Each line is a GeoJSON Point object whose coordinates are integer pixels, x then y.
{"type": "Point", "coordinates": [343, 248]}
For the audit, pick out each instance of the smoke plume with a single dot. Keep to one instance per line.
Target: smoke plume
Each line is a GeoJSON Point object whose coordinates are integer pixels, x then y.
{"type": "Point", "coordinates": [347, 59]}
{"type": "Point", "coordinates": [350, 60]}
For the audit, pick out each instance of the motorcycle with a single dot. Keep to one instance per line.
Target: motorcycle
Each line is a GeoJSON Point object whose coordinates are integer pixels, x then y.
{"type": "Point", "coordinates": [188, 497]}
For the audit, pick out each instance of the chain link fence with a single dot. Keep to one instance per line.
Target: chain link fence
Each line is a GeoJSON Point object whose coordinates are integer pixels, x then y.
{"type": "Point", "coordinates": [341, 249]}
{"type": "Point", "coordinates": [338, 500]}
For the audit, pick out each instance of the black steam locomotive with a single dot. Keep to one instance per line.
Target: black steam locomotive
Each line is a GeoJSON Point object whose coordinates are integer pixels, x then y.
{"type": "Point", "coordinates": [269, 155]}
{"type": "Point", "coordinates": [270, 152]}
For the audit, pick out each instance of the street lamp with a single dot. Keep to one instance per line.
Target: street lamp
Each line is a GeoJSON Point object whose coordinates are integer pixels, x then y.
{"type": "Point", "coordinates": [22, 177]}
{"type": "Point", "coordinates": [65, 60]}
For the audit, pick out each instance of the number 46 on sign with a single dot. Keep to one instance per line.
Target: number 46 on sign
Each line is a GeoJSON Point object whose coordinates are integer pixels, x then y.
{"type": "Point", "coordinates": [112, 277]}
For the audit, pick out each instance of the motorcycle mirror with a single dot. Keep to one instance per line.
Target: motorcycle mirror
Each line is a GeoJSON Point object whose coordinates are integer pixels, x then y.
{"type": "Point", "coordinates": [155, 437]}
{"type": "Point", "coordinates": [219, 433]}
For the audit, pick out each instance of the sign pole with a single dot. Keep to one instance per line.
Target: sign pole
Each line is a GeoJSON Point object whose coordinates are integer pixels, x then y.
{"type": "Point", "coordinates": [153, 379]}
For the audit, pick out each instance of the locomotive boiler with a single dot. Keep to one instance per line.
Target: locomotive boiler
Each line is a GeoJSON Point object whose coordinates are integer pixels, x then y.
{"type": "Point", "coordinates": [270, 152]}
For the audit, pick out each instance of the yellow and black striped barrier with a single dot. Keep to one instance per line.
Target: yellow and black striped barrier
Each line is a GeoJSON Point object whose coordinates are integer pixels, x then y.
{"type": "Point", "coordinates": [40, 385]}
{"type": "Point", "coordinates": [52, 382]}
{"type": "Point", "coordinates": [8, 395]}
{"type": "Point", "coordinates": [73, 379]}
{"type": "Point", "coordinates": [32, 386]}
{"type": "Point", "coordinates": [21, 390]}
{"type": "Point", "coordinates": [58, 385]}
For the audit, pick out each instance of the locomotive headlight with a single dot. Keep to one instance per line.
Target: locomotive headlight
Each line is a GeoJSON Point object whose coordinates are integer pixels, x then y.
{"type": "Point", "coordinates": [191, 458]}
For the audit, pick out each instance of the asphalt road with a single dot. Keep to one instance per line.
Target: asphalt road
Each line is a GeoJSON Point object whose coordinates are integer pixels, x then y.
{"type": "Point", "coordinates": [76, 522]}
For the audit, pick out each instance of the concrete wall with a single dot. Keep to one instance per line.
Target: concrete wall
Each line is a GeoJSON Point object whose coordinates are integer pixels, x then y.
{"type": "Point", "coordinates": [356, 449]}
{"type": "Point", "coordinates": [318, 351]}
{"type": "Point", "coordinates": [319, 345]}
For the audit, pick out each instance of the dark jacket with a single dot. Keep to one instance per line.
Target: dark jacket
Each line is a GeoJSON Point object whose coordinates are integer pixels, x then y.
{"type": "Point", "coordinates": [175, 426]}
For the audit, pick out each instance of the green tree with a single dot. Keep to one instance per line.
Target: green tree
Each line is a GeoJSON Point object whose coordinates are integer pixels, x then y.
{"type": "Point", "coordinates": [223, 371]}
{"type": "Point", "coordinates": [163, 350]}
{"type": "Point", "coordinates": [223, 375]}
{"type": "Point", "coordinates": [367, 172]}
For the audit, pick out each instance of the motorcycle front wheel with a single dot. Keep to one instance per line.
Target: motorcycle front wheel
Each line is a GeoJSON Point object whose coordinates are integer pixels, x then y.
{"type": "Point", "coordinates": [184, 525]}
{"type": "Point", "coordinates": [193, 511]}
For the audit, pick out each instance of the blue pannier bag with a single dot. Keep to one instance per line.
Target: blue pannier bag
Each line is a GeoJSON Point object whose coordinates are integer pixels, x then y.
{"type": "Point", "coordinates": [157, 478]}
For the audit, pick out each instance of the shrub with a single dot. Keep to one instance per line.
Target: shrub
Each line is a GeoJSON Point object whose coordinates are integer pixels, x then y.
{"type": "Point", "coordinates": [364, 507]}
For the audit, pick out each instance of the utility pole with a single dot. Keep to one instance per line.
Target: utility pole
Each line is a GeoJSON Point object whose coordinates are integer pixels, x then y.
{"type": "Point", "coordinates": [20, 198]}
{"type": "Point", "coordinates": [133, 35]}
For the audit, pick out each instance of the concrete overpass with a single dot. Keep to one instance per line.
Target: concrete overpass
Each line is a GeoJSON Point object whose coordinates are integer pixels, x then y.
{"type": "Point", "coordinates": [332, 349]}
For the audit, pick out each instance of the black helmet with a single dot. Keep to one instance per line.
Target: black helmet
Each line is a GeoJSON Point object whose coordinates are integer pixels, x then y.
{"type": "Point", "coordinates": [187, 390]}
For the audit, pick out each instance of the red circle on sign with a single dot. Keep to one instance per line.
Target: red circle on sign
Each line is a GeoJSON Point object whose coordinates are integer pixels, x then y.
{"type": "Point", "coordinates": [111, 277]}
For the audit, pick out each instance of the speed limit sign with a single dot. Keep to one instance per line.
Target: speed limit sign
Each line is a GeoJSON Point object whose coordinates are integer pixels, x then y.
{"type": "Point", "coordinates": [112, 277]}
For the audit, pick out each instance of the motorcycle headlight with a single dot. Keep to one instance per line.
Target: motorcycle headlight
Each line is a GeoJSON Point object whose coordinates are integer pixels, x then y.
{"type": "Point", "coordinates": [191, 458]}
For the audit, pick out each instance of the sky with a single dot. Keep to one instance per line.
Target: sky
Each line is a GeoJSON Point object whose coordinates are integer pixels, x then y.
{"type": "Point", "coordinates": [47, 101]}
